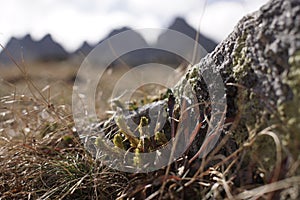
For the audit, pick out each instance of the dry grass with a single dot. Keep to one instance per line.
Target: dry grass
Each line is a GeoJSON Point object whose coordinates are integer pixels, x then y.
{"type": "Point", "coordinates": [42, 157]}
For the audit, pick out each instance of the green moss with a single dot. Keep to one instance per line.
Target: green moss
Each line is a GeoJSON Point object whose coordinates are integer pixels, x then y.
{"type": "Point", "coordinates": [249, 105]}
{"type": "Point", "coordinates": [254, 117]}
{"type": "Point", "coordinates": [252, 112]}
{"type": "Point", "coordinates": [189, 80]}
{"type": "Point", "coordinates": [290, 111]}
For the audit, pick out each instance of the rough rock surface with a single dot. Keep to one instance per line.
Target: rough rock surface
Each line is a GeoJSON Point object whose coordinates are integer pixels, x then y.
{"type": "Point", "coordinates": [256, 62]}
{"type": "Point", "coordinates": [259, 63]}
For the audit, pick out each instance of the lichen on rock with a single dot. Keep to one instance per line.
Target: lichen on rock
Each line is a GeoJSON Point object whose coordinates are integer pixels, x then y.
{"type": "Point", "coordinates": [259, 64]}
{"type": "Point", "coordinates": [259, 67]}
{"type": "Point", "coordinates": [290, 110]}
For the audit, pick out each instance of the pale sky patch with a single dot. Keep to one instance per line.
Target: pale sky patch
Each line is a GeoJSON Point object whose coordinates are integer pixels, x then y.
{"type": "Point", "coordinates": [70, 22]}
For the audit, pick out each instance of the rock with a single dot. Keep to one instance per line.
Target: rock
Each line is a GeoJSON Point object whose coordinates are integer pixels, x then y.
{"type": "Point", "coordinates": [259, 65]}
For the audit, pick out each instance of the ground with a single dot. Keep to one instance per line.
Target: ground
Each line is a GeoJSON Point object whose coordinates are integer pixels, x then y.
{"type": "Point", "coordinates": [42, 156]}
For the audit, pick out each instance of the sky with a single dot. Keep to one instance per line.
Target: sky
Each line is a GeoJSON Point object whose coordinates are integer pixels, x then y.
{"type": "Point", "coordinates": [70, 22]}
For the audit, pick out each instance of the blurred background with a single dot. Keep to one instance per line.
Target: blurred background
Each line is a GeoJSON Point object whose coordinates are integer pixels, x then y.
{"type": "Point", "coordinates": [71, 23]}
{"type": "Point", "coordinates": [50, 38]}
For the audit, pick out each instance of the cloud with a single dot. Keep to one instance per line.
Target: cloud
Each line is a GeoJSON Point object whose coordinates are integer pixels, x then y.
{"type": "Point", "coordinates": [219, 18]}
{"type": "Point", "coordinates": [72, 22]}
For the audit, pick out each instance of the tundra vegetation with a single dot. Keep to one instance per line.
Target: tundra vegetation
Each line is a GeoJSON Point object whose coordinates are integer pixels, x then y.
{"type": "Point", "coordinates": [257, 155]}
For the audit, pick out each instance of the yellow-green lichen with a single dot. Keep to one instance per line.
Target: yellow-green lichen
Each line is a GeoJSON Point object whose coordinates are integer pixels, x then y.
{"type": "Point", "coordinates": [241, 63]}
{"type": "Point", "coordinates": [118, 141]}
{"type": "Point", "coordinates": [125, 130]}
{"type": "Point", "coordinates": [194, 75]}
{"type": "Point", "coordinates": [137, 141]}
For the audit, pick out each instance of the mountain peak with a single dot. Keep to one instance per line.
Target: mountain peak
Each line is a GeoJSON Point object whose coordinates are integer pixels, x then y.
{"type": "Point", "coordinates": [178, 21]}
{"type": "Point", "coordinates": [119, 30]}
{"type": "Point", "coordinates": [45, 49]}
{"type": "Point", "coordinates": [48, 49]}
{"type": "Point", "coordinates": [84, 49]}
{"type": "Point", "coordinates": [27, 37]}
{"type": "Point", "coordinates": [179, 24]}
{"type": "Point", "coordinates": [47, 37]}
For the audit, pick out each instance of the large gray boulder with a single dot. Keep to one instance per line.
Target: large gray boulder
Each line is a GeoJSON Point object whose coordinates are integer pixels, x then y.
{"type": "Point", "coordinates": [259, 65]}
